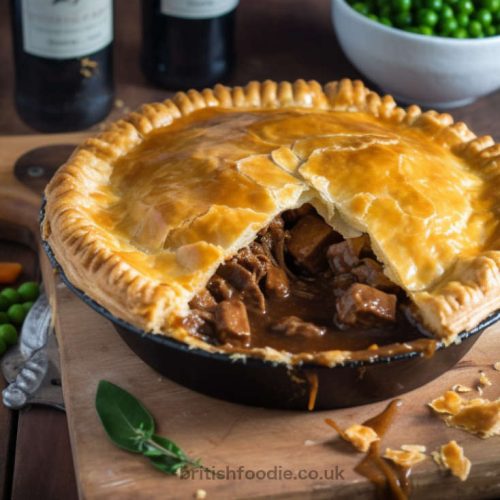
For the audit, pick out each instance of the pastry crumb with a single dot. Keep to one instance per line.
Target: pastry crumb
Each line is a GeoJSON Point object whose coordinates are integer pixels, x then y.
{"type": "Point", "coordinates": [119, 103]}
{"type": "Point", "coordinates": [310, 442]}
{"type": "Point", "coordinates": [414, 447]}
{"type": "Point", "coordinates": [496, 366]}
{"type": "Point", "coordinates": [479, 389]}
{"type": "Point", "coordinates": [477, 416]}
{"type": "Point", "coordinates": [483, 379]}
{"type": "Point", "coordinates": [449, 402]}
{"type": "Point", "coordinates": [451, 457]}
{"type": "Point", "coordinates": [200, 494]}
{"type": "Point", "coordinates": [461, 388]}
{"type": "Point", "coordinates": [406, 457]}
{"type": "Point", "coordinates": [360, 436]}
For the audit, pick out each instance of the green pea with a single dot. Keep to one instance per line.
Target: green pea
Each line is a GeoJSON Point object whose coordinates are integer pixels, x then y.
{"type": "Point", "coordinates": [373, 17]}
{"type": "Point", "coordinates": [401, 5]}
{"type": "Point", "coordinates": [475, 29]}
{"type": "Point", "coordinates": [8, 335]}
{"type": "Point", "coordinates": [491, 5]}
{"type": "Point", "coordinates": [426, 30]}
{"type": "Point", "coordinates": [3, 346]}
{"type": "Point", "coordinates": [484, 17]}
{"type": "Point", "coordinates": [462, 20]}
{"type": "Point", "coordinates": [29, 290]}
{"type": "Point", "coordinates": [16, 314]}
{"type": "Point", "coordinates": [446, 12]}
{"type": "Point", "coordinates": [434, 4]}
{"type": "Point", "coordinates": [4, 318]}
{"type": "Point", "coordinates": [490, 31]}
{"type": "Point", "coordinates": [460, 33]}
{"type": "Point", "coordinates": [427, 17]}
{"type": "Point", "coordinates": [362, 8]}
{"type": "Point", "coordinates": [465, 6]}
{"type": "Point", "coordinates": [447, 26]}
{"type": "Point", "coordinates": [11, 295]}
{"type": "Point", "coordinates": [27, 305]}
{"type": "Point", "coordinates": [4, 303]}
{"type": "Point", "coordinates": [385, 21]}
{"type": "Point", "coordinates": [402, 19]}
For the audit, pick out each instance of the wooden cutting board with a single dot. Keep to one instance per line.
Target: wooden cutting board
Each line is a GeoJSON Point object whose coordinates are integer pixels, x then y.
{"type": "Point", "coordinates": [235, 440]}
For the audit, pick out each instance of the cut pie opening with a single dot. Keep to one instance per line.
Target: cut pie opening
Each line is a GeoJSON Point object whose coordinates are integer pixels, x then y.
{"type": "Point", "coordinates": [301, 287]}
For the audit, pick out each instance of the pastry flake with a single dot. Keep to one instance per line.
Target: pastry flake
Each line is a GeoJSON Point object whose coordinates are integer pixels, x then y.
{"type": "Point", "coordinates": [461, 388]}
{"type": "Point", "coordinates": [407, 456]}
{"type": "Point", "coordinates": [451, 457]}
{"type": "Point", "coordinates": [450, 402]}
{"type": "Point", "coordinates": [484, 379]}
{"type": "Point", "coordinates": [480, 417]}
{"type": "Point", "coordinates": [477, 416]}
{"type": "Point", "coordinates": [360, 436]}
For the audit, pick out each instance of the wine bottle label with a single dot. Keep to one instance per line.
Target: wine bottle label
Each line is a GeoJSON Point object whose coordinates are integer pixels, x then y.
{"type": "Point", "coordinates": [64, 29]}
{"type": "Point", "coordinates": [197, 9]}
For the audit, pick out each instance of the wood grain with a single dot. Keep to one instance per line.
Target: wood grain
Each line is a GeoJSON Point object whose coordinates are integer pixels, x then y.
{"type": "Point", "coordinates": [41, 455]}
{"type": "Point", "coordinates": [229, 435]}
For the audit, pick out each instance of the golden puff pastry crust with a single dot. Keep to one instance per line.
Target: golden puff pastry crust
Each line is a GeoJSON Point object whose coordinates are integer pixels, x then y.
{"type": "Point", "coordinates": [141, 216]}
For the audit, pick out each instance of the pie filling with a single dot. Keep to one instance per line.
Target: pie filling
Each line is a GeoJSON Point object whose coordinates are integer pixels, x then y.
{"type": "Point", "coordinates": [301, 287]}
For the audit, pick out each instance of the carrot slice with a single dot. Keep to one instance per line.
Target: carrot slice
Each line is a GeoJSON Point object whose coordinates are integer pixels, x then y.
{"type": "Point", "coordinates": [9, 272]}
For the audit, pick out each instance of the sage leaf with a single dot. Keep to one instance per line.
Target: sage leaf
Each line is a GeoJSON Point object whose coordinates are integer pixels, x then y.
{"type": "Point", "coordinates": [167, 465]}
{"type": "Point", "coordinates": [126, 422]}
{"type": "Point", "coordinates": [169, 445]}
{"type": "Point", "coordinates": [131, 427]}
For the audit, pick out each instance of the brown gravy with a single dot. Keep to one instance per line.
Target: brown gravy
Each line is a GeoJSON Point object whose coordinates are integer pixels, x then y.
{"type": "Point", "coordinates": [390, 480]}
{"type": "Point", "coordinates": [319, 309]}
{"type": "Point", "coordinates": [318, 276]}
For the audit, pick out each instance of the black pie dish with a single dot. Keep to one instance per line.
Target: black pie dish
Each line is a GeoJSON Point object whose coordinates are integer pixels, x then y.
{"type": "Point", "coordinates": [263, 383]}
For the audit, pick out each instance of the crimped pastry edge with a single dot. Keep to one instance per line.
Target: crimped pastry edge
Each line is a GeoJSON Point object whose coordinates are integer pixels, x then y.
{"type": "Point", "coordinates": [156, 307]}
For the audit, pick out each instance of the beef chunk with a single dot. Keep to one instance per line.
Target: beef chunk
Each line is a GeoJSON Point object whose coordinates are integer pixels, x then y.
{"type": "Point", "coordinates": [203, 300]}
{"type": "Point", "coordinates": [341, 282]}
{"type": "Point", "coordinates": [277, 284]}
{"type": "Point", "coordinates": [363, 305]}
{"type": "Point", "coordinates": [371, 273]}
{"type": "Point", "coordinates": [245, 282]}
{"type": "Point", "coordinates": [200, 323]}
{"type": "Point", "coordinates": [255, 260]}
{"type": "Point", "coordinates": [291, 325]}
{"type": "Point", "coordinates": [219, 288]}
{"type": "Point", "coordinates": [308, 241]}
{"type": "Point", "coordinates": [343, 256]}
{"type": "Point", "coordinates": [231, 322]}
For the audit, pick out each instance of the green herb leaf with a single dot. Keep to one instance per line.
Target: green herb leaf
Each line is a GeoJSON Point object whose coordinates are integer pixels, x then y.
{"type": "Point", "coordinates": [127, 423]}
{"type": "Point", "coordinates": [131, 427]}
{"type": "Point", "coordinates": [166, 444]}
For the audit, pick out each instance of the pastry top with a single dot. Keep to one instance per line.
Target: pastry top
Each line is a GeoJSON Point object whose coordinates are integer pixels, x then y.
{"type": "Point", "coordinates": [141, 216]}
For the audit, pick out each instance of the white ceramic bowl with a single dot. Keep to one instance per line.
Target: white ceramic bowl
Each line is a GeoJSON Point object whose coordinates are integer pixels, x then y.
{"type": "Point", "coordinates": [427, 70]}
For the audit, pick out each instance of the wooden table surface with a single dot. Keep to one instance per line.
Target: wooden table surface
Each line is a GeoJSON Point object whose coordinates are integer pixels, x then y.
{"type": "Point", "coordinates": [276, 39]}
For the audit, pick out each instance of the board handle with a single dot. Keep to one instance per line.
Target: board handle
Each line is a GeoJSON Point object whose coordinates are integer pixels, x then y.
{"type": "Point", "coordinates": [26, 164]}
